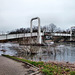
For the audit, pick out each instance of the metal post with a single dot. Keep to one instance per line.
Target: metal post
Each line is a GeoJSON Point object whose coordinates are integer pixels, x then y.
{"type": "Point", "coordinates": [71, 34]}
{"type": "Point", "coordinates": [6, 37]}
{"type": "Point", "coordinates": [39, 30]}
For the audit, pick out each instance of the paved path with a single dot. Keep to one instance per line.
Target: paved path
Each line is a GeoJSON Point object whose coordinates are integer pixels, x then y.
{"type": "Point", "coordinates": [11, 67]}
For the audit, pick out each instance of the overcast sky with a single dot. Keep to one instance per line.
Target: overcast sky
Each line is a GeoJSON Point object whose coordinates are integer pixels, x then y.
{"type": "Point", "coordinates": [18, 13]}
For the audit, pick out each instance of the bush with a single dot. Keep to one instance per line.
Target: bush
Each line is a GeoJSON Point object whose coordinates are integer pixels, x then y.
{"type": "Point", "coordinates": [67, 70]}
{"type": "Point", "coordinates": [72, 73]}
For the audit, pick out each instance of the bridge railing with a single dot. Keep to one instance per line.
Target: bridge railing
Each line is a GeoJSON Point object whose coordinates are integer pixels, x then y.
{"type": "Point", "coordinates": [13, 36]}
{"type": "Point", "coordinates": [60, 34]}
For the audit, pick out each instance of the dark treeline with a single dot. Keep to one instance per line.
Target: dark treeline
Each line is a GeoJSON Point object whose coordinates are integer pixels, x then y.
{"type": "Point", "coordinates": [47, 28]}
{"type": "Point", "coordinates": [25, 30]}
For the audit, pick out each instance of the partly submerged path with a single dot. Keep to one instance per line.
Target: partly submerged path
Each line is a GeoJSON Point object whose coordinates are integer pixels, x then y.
{"type": "Point", "coordinates": [11, 67]}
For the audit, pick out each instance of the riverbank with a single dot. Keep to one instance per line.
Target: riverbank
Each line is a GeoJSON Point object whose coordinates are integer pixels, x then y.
{"type": "Point", "coordinates": [50, 68]}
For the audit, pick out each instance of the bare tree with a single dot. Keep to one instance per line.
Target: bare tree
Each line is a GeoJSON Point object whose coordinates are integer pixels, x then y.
{"type": "Point", "coordinates": [52, 27]}
{"type": "Point", "coordinates": [58, 30]}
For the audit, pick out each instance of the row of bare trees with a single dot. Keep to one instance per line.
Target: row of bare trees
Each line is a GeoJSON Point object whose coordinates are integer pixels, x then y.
{"type": "Point", "coordinates": [47, 28]}
{"type": "Point", "coordinates": [53, 28]}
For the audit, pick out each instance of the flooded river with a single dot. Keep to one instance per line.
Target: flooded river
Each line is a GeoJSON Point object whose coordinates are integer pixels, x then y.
{"type": "Point", "coordinates": [56, 52]}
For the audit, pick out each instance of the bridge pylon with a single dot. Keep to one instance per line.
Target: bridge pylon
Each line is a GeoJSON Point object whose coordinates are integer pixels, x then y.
{"type": "Point", "coordinates": [39, 29]}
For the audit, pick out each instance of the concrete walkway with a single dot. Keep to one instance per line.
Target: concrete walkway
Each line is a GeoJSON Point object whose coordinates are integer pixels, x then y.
{"type": "Point", "coordinates": [11, 67]}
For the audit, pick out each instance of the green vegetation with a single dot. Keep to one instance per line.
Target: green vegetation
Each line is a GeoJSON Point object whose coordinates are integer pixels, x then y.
{"type": "Point", "coordinates": [24, 60]}
{"type": "Point", "coordinates": [72, 73]}
{"type": "Point", "coordinates": [46, 68]}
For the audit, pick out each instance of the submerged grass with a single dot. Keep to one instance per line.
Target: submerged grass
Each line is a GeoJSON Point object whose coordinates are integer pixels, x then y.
{"type": "Point", "coordinates": [46, 68]}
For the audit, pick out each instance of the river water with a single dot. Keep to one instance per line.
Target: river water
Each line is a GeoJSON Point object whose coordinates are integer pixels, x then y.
{"type": "Point", "coordinates": [56, 52]}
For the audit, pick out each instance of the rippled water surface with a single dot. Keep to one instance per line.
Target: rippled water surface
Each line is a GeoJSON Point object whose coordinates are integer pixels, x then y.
{"type": "Point", "coordinates": [6, 48]}
{"type": "Point", "coordinates": [56, 52]}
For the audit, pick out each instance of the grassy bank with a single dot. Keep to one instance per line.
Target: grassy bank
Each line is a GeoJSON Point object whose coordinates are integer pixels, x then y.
{"type": "Point", "coordinates": [47, 68]}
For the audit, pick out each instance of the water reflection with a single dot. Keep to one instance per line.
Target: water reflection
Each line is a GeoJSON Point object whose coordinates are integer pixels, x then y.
{"type": "Point", "coordinates": [56, 52]}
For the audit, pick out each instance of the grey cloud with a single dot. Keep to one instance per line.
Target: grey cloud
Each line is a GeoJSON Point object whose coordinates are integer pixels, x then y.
{"type": "Point", "coordinates": [17, 13]}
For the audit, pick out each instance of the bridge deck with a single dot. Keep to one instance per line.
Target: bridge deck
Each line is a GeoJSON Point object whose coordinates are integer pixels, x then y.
{"type": "Point", "coordinates": [14, 36]}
